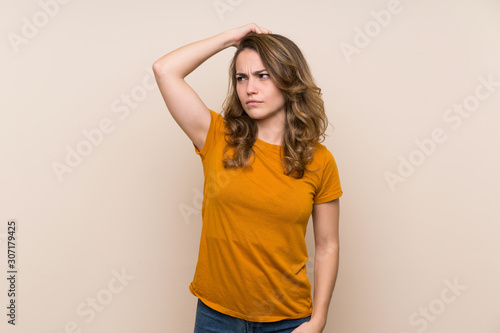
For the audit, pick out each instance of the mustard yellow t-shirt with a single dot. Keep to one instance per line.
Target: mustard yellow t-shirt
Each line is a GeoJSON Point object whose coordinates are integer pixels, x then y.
{"type": "Point", "coordinates": [252, 256]}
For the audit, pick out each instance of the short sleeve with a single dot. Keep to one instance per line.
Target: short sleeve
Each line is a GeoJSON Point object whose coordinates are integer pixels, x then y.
{"type": "Point", "coordinates": [215, 120]}
{"type": "Point", "coordinates": [329, 188]}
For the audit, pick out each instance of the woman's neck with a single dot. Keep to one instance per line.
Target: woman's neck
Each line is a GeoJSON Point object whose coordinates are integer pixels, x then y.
{"type": "Point", "coordinates": [271, 130]}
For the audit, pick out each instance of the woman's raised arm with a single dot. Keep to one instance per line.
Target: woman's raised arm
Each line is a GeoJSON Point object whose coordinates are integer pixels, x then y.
{"type": "Point", "coordinates": [186, 107]}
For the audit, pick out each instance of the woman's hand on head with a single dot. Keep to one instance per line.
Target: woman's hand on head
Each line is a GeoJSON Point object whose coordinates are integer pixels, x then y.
{"type": "Point", "coordinates": [237, 34]}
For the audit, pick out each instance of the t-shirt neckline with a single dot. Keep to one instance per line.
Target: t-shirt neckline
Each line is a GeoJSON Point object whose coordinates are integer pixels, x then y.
{"type": "Point", "coordinates": [267, 144]}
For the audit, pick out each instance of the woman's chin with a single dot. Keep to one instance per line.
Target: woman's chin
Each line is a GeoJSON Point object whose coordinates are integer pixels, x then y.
{"type": "Point", "coordinates": [257, 114]}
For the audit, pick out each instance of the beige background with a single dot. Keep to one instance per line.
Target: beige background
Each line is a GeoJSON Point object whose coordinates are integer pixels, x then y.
{"type": "Point", "coordinates": [132, 204]}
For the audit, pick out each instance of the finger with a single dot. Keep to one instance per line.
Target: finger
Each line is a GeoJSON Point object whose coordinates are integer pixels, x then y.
{"type": "Point", "coordinates": [254, 28]}
{"type": "Point", "coordinates": [257, 29]}
{"type": "Point", "coordinates": [265, 31]}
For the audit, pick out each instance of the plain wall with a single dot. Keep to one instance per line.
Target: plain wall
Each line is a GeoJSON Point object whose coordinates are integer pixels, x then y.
{"type": "Point", "coordinates": [109, 242]}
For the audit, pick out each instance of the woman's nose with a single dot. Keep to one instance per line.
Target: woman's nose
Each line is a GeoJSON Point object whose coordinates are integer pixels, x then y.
{"type": "Point", "coordinates": [251, 87]}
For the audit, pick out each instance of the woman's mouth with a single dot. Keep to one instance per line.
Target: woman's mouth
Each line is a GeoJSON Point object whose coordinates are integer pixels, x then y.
{"type": "Point", "coordinates": [252, 102]}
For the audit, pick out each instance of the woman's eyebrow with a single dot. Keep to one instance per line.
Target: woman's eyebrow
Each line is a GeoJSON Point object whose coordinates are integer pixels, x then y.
{"type": "Point", "coordinates": [254, 73]}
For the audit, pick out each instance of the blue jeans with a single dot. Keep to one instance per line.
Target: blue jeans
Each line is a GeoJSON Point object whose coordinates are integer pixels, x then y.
{"type": "Point", "coordinates": [209, 320]}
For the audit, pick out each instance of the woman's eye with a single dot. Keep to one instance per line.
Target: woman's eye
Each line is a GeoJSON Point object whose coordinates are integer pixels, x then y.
{"type": "Point", "coordinates": [264, 76]}
{"type": "Point", "coordinates": [240, 78]}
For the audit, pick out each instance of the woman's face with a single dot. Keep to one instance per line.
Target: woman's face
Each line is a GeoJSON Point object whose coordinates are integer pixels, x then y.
{"type": "Point", "coordinates": [258, 94]}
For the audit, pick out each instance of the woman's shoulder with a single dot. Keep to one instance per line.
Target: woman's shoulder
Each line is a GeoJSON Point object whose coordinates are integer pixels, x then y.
{"type": "Point", "coordinates": [217, 120]}
{"type": "Point", "coordinates": [216, 115]}
{"type": "Point", "coordinates": [322, 154]}
{"type": "Point", "coordinates": [320, 149]}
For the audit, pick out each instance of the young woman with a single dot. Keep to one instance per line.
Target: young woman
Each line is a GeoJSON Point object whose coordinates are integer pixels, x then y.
{"type": "Point", "coordinates": [265, 174]}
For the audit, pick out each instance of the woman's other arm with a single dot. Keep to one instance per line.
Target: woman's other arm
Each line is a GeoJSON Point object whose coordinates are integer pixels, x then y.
{"type": "Point", "coordinates": [326, 263]}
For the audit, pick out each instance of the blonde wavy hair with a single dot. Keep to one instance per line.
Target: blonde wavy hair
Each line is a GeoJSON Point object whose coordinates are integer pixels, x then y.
{"type": "Point", "coordinates": [306, 121]}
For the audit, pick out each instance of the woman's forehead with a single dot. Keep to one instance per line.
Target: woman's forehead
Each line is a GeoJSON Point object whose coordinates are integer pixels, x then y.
{"type": "Point", "coordinates": [248, 59]}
